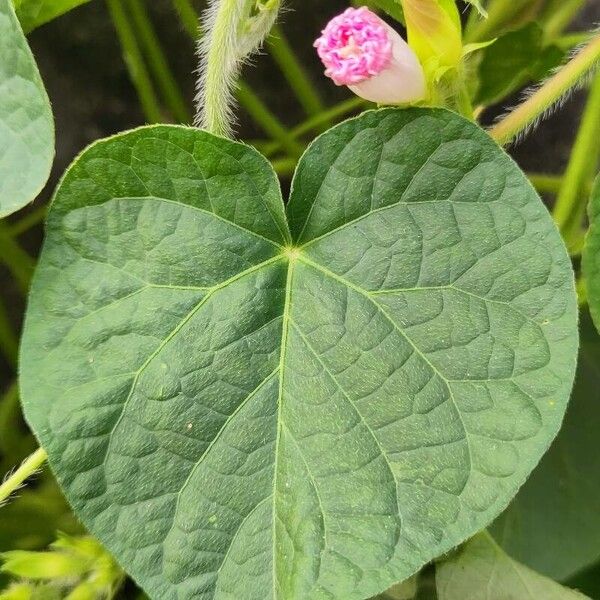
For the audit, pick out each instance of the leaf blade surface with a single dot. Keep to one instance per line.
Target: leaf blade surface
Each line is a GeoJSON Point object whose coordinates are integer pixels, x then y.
{"type": "Point", "coordinates": [306, 413]}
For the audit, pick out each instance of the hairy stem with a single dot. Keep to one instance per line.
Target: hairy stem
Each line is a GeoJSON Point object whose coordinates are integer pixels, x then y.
{"type": "Point", "coordinates": [220, 66]}
{"type": "Point", "coordinates": [134, 61]}
{"type": "Point", "coordinates": [571, 203]}
{"type": "Point", "coordinates": [29, 467]}
{"type": "Point", "coordinates": [553, 90]}
{"type": "Point", "coordinates": [158, 63]}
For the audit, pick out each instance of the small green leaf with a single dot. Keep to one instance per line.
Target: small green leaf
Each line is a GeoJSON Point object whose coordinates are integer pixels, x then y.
{"type": "Point", "coordinates": [513, 60]}
{"type": "Point", "coordinates": [476, 4]}
{"type": "Point", "coordinates": [563, 538]}
{"type": "Point", "coordinates": [26, 125]}
{"type": "Point", "coordinates": [481, 570]}
{"type": "Point", "coordinates": [42, 565]}
{"type": "Point", "coordinates": [33, 13]}
{"type": "Point", "coordinates": [406, 590]}
{"type": "Point", "coordinates": [238, 410]}
{"type": "Point", "coordinates": [391, 7]}
{"type": "Point", "coordinates": [591, 255]}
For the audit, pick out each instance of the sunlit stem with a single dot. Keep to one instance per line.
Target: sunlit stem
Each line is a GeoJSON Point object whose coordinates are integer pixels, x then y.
{"type": "Point", "coordinates": [571, 203]}
{"type": "Point", "coordinates": [545, 184]}
{"type": "Point", "coordinates": [30, 466]}
{"type": "Point", "coordinates": [568, 77]}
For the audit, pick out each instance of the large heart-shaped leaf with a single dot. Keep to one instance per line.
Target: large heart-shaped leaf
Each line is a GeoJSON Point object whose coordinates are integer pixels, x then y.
{"type": "Point", "coordinates": [239, 411]}
{"type": "Point", "coordinates": [26, 125]}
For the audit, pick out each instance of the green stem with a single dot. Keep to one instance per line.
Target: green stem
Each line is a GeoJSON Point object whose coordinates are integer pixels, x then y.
{"type": "Point", "coordinates": [265, 118]}
{"type": "Point", "coordinates": [9, 344]}
{"type": "Point", "coordinates": [561, 16]}
{"type": "Point", "coordinates": [294, 72]}
{"type": "Point", "coordinates": [18, 262]}
{"type": "Point", "coordinates": [188, 17]}
{"type": "Point", "coordinates": [29, 467]}
{"type": "Point", "coordinates": [135, 63]}
{"type": "Point", "coordinates": [284, 166]}
{"type": "Point", "coordinates": [571, 203]}
{"type": "Point", "coordinates": [158, 62]}
{"type": "Point", "coordinates": [546, 96]}
{"type": "Point", "coordinates": [545, 184]}
{"type": "Point", "coordinates": [9, 412]}
{"type": "Point", "coordinates": [35, 217]}
{"type": "Point", "coordinates": [332, 114]}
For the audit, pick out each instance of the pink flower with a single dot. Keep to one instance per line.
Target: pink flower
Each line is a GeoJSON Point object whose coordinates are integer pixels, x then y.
{"type": "Point", "coordinates": [362, 51]}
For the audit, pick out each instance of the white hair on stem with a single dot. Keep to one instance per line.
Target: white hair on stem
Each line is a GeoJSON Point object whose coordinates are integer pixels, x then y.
{"type": "Point", "coordinates": [542, 100]}
{"type": "Point", "coordinates": [234, 29]}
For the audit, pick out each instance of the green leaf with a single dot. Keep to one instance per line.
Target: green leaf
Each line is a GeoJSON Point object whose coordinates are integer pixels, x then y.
{"type": "Point", "coordinates": [513, 60]}
{"type": "Point", "coordinates": [476, 4]}
{"type": "Point", "coordinates": [26, 125]}
{"type": "Point", "coordinates": [33, 13]}
{"type": "Point", "coordinates": [406, 590]}
{"type": "Point", "coordinates": [392, 7]}
{"type": "Point", "coordinates": [481, 570]}
{"type": "Point", "coordinates": [564, 537]}
{"type": "Point", "coordinates": [236, 414]}
{"type": "Point", "coordinates": [591, 255]}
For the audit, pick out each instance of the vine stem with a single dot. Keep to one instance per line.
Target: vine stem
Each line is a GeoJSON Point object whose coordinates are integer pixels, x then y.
{"type": "Point", "coordinates": [572, 197]}
{"type": "Point", "coordinates": [29, 467]}
{"type": "Point", "coordinates": [221, 62]}
{"type": "Point", "coordinates": [548, 94]}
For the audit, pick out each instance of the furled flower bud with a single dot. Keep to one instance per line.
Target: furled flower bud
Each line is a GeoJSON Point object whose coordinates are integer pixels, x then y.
{"type": "Point", "coordinates": [362, 51]}
{"type": "Point", "coordinates": [434, 33]}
